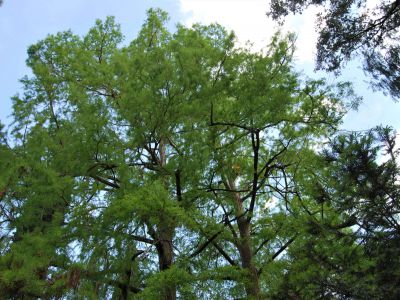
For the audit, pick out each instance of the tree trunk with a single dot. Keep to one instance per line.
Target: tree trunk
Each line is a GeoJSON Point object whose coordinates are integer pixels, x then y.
{"type": "Point", "coordinates": [165, 235]}
{"type": "Point", "coordinates": [165, 258]}
{"type": "Point", "coordinates": [246, 257]}
{"type": "Point", "coordinates": [244, 247]}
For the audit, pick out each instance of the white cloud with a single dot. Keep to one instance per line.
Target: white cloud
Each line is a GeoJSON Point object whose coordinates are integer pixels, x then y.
{"type": "Point", "coordinates": [249, 21]}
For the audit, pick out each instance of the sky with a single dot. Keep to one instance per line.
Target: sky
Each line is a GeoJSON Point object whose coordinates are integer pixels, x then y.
{"type": "Point", "coordinates": [24, 22]}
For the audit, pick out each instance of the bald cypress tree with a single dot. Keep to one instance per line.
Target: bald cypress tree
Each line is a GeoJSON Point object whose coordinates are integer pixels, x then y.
{"type": "Point", "coordinates": [162, 168]}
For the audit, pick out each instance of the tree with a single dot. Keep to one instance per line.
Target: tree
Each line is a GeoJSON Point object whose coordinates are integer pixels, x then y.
{"type": "Point", "coordinates": [354, 221]}
{"type": "Point", "coordinates": [149, 170]}
{"type": "Point", "coordinates": [348, 28]}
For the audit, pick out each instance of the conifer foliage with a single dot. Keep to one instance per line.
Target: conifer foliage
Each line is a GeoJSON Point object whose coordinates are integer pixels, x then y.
{"type": "Point", "coordinates": [173, 166]}
{"type": "Point", "coordinates": [349, 28]}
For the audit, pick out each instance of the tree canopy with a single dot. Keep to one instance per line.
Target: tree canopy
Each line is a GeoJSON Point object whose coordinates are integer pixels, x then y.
{"type": "Point", "coordinates": [349, 28]}
{"type": "Point", "coordinates": [354, 222]}
{"type": "Point", "coordinates": [181, 166]}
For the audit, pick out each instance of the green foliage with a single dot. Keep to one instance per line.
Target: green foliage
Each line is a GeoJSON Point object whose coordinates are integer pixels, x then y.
{"type": "Point", "coordinates": [350, 250]}
{"type": "Point", "coordinates": [177, 166]}
{"type": "Point", "coordinates": [349, 28]}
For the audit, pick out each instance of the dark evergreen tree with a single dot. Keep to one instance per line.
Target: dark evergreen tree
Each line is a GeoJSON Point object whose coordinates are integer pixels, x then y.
{"type": "Point", "coordinates": [350, 249]}
{"type": "Point", "coordinates": [348, 28]}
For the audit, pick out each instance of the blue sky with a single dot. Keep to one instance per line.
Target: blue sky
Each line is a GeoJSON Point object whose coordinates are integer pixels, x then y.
{"type": "Point", "coordinates": [24, 22]}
